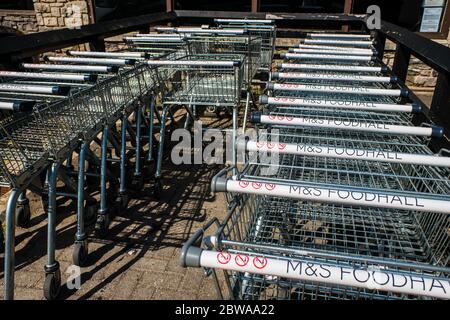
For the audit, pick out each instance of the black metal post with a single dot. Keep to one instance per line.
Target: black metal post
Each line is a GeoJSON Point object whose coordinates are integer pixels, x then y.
{"type": "Point", "coordinates": [97, 44]}
{"type": "Point", "coordinates": [440, 106]}
{"type": "Point", "coordinates": [401, 62]}
{"type": "Point", "coordinates": [380, 44]}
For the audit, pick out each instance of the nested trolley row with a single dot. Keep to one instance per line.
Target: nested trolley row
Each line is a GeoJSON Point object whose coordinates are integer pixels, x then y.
{"type": "Point", "coordinates": [339, 195]}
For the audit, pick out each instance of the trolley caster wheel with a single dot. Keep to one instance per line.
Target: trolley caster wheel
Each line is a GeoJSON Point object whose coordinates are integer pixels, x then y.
{"type": "Point", "coordinates": [158, 189]}
{"type": "Point", "coordinates": [52, 285]}
{"type": "Point", "coordinates": [137, 183]}
{"type": "Point", "coordinates": [23, 215]}
{"type": "Point", "coordinates": [121, 202]}
{"type": "Point", "coordinates": [102, 225]}
{"type": "Point", "coordinates": [80, 253]}
{"type": "Point", "coordinates": [90, 214]}
{"type": "Point", "coordinates": [212, 109]}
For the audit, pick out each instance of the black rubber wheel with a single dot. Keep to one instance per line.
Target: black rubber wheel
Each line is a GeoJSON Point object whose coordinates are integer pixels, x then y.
{"type": "Point", "coordinates": [90, 214]}
{"type": "Point", "coordinates": [23, 215]}
{"type": "Point", "coordinates": [121, 203]}
{"type": "Point", "coordinates": [80, 254]}
{"type": "Point", "coordinates": [52, 285]}
{"type": "Point", "coordinates": [158, 189]}
{"type": "Point", "coordinates": [102, 225]}
{"type": "Point", "coordinates": [137, 183]}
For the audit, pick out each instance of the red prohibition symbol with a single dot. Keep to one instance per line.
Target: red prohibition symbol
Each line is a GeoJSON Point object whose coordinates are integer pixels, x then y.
{"type": "Point", "coordinates": [241, 260]}
{"type": "Point", "coordinates": [270, 186]}
{"type": "Point", "coordinates": [259, 263]}
{"type": "Point", "coordinates": [256, 185]}
{"type": "Point", "coordinates": [223, 257]}
{"type": "Point", "coordinates": [260, 145]}
{"type": "Point", "coordinates": [243, 184]}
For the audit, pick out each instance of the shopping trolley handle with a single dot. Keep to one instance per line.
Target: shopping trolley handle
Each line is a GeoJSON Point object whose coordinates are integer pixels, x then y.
{"type": "Point", "coordinates": [436, 131]}
{"type": "Point", "coordinates": [191, 251]}
{"type": "Point", "coordinates": [219, 181]}
{"type": "Point", "coordinates": [255, 117]}
{"type": "Point", "coordinates": [18, 106]}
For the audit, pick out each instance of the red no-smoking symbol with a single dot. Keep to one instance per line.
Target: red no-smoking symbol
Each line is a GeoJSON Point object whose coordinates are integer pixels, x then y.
{"type": "Point", "coordinates": [259, 263]}
{"type": "Point", "coordinates": [223, 257]}
{"type": "Point", "coordinates": [241, 260]}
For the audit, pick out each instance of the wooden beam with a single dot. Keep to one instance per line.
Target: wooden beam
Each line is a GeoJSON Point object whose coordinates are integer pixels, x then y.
{"type": "Point", "coordinates": [255, 5]}
{"type": "Point", "coordinates": [169, 5]}
{"type": "Point", "coordinates": [348, 8]}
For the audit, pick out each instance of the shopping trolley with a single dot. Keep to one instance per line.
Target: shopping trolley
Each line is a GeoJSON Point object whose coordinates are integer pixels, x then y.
{"type": "Point", "coordinates": [198, 80]}
{"type": "Point", "coordinates": [247, 45]}
{"type": "Point", "coordinates": [355, 206]}
{"type": "Point", "coordinates": [259, 28]}
{"type": "Point", "coordinates": [28, 142]}
{"type": "Point", "coordinates": [386, 228]}
{"type": "Point", "coordinates": [155, 45]}
{"type": "Point", "coordinates": [224, 41]}
{"type": "Point", "coordinates": [64, 123]}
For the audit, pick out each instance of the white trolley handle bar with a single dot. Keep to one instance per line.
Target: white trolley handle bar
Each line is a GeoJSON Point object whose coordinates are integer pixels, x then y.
{"type": "Point", "coordinates": [332, 48]}
{"type": "Point", "coordinates": [306, 56]}
{"type": "Point", "coordinates": [211, 31]}
{"type": "Point", "coordinates": [340, 42]}
{"type": "Point", "coordinates": [338, 89]}
{"type": "Point", "coordinates": [70, 67]}
{"type": "Point", "coordinates": [348, 153]}
{"type": "Point", "coordinates": [371, 278]}
{"type": "Point", "coordinates": [156, 35]}
{"type": "Point", "coordinates": [333, 52]}
{"type": "Point", "coordinates": [10, 87]}
{"type": "Point", "coordinates": [351, 125]}
{"type": "Point", "coordinates": [17, 106]}
{"type": "Point", "coordinates": [327, 67]}
{"type": "Point", "coordinates": [200, 63]}
{"type": "Point", "coordinates": [244, 21]}
{"type": "Point", "coordinates": [157, 40]}
{"type": "Point", "coordinates": [332, 77]}
{"type": "Point", "coordinates": [200, 30]}
{"type": "Point", "coordinates": [48, 76]}
{"type": "Point", "coordinates": [340, 35]}
{"type": "Point", "coordinates": [93, 60]}
{"type": "Point", "coordinates": [107, 54]}
{"type": "Point", "coordinates": [339, 196]}
{"type": "Point", "coordinates": [341, 104]}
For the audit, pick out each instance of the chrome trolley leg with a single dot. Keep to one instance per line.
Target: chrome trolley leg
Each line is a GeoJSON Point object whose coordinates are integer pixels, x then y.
{"type": "Point", "coordinates": [10, 243]}
{"type": "Point", "coordinates": [52, 284]}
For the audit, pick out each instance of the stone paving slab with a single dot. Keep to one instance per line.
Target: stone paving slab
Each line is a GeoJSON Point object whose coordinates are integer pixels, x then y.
{"type": "Point", "coordinates": [139, 259]}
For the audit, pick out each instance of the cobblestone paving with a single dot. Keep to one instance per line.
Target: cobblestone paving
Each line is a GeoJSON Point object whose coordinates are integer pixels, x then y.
{"type": "Point", "coordinates": [139, 259]}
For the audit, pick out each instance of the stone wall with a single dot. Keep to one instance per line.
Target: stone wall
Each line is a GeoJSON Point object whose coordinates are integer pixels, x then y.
{"type": "Point", "coordinates": [47, 15]}
{"type": "Point", "coordinates": [23, 21]}
{"type": "Point", "coordinates": [54, 14]}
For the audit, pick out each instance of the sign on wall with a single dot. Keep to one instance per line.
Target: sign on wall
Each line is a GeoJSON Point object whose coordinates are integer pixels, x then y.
{"type": "Point", "coordinates": [432, 15]}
